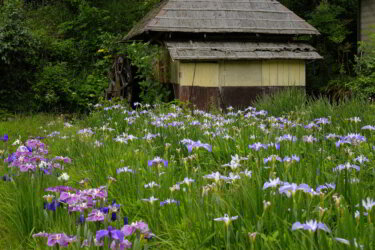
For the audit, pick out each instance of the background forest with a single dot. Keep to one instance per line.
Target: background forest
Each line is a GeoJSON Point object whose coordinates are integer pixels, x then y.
{"type": "Point", "coordinates": [55, 54]}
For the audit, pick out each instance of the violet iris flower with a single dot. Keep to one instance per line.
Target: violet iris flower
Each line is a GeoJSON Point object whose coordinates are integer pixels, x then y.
{"type": "Point", "coordinates": [95, 215]}
{"type": "Point", "coordinates": [190, 144]}
{"type": "Point", "coordinates": [291, 188]}
{"type": "Point", "coordinates": [322, 120]}
{"type": "Point", "coordinates": [111, 233]}
{"type": "Point", "coordinates": [368, 127]}
{"type": "Point", "coordinates": [272, 158]}
{"type": "Point", "coordinates": [227, 219]}
{"type": "Point", "coordinates": [347, 166]}
{"type": "Point", "coordinates": [59, 189]}
{"type": "Point", "coordinates": [157, 160]}
{"type": "Point", "coordinates": [124, 169]}
{"type": "Point", "coordinates": [368, 204]}
{"type": "Point", "coordinates": [291, 159]}
{"type": "Point", "coordinates": [326, 186]}
{"type": "Point", "coordinates": [52, 206]}
{"type": "Point", "coordinates": [4, 138]}
{"type": "Point", "coordinates": [272, 183]}
{"type": "Point", "coordinates": [61, 239]}
{"type": "Point", "coordinates": [7, 177]}
{"type": "Point", "coordinates": [140, 226]}
{"type": "Point", "coordinates": [311, 225]}
{"type": "Point", "coordinates": [257, 146]}
{"type": "Point", "coordinates": [169, 201]}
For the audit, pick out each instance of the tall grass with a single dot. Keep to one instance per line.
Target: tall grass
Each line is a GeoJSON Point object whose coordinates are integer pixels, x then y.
{"type": "Point", "coordinates": [191, 225]}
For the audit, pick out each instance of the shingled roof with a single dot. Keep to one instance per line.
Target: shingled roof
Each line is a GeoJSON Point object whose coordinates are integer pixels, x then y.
{"type": "Point", "coordinates": [215, 50]}
{"type": "Point", "coordinates": [222, 16]}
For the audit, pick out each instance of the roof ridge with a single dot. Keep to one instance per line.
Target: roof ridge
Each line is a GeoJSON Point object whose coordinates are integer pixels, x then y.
{"type": "Point", "coordinates": [220, 16]}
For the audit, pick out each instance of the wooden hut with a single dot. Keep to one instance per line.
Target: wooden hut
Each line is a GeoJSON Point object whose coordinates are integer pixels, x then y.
{"type": "Point", "coordinates": [366, 19]}
{"type": "Point", "coordinates": [226, 52]}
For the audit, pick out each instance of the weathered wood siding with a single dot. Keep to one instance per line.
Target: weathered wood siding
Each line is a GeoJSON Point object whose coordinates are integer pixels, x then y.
{"type": "Point", "coordinates": [266, 73]}
{"type": "Point", "coordinates": [283, 73]}
{"type": "Point", "coordinates": [174, 71]}
{"type": "Point", "coordinates": [367, 22]}
{"type": "Point", "coordinates": [203, 74]}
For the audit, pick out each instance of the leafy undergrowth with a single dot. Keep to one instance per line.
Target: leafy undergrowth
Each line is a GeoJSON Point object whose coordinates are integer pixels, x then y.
{"type": "Point", "coordinates": [165, 178]}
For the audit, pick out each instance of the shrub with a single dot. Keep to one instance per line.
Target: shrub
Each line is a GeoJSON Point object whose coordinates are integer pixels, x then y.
{"type": "Point", "coordinates": [284, 101]}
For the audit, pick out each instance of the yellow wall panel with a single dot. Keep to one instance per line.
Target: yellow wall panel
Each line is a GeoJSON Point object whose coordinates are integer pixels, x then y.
{"type": "Point", "coordinates": [241, 73]}
{"type": "Point", "coordinates": [273, 73]}
{"type": "Point", "coordinates": [199, 74]}
{"type": "Point", "coordinates": [280, 74]}
{"type": "Point", "coordinates": [266, 73]}
{"type": "Point", "coordinates": [302, 73]}
{"type": "Point", "coordinates": [294, 73]}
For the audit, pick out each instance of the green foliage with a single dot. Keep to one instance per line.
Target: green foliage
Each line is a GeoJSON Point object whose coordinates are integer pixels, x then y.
{"type": "Point", "coordinates": [57, 89]}
{"type": "Point", "coordinates": [326, 18]}
{"type": "Point", "coordinates": [363, 84]}
{"type": "Point", "coordinates": [282, 102]}
{"type": "Point", "coordinates": [336, 21]}
{"type": "Point", "coordinates": [143, 56]}
{"type": "Point", "coordinates": [19, 51]}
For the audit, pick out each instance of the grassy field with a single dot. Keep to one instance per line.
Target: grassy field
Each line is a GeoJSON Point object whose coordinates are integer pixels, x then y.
{"type": "Point", "coordinates": [164, 177]}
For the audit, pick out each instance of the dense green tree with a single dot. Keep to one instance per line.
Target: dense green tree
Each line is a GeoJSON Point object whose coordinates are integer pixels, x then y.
{"type": "Point", "coordinates": [19, 52]}
{"type": "Point", "coordinates": [49, 56]}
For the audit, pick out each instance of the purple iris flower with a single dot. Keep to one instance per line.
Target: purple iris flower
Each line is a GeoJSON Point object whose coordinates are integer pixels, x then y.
{"type": "Point", "coordinates": [190, 144]}
{"type": "Point", "coordinates": [95, 215]}
{"type": "Point", "coordinates": [81, 219]}
{"type": "Point", "coordinates": [326, 186]}
{"type": "Point", "coordinates": [311, 125]}
{"type": "Point", "coordinates": [26, 167]}
{"type": "Point", "coordinates": [198, 144]}
{"type": "Point", "coordinates": [156, 161]}
{"type": "Point", "coordinates": [4, 138]}
{"type": "Point", "coordinates": [11, 158]}
{"type": "Point", "coordinates": [257, 146]}
{"type": "Point", "coordinates": [124, 244]}
{"type": "Point", "coordinates": [137, 226]}
{"type": "Point", "coordinates": [347, 166]}
{"type": "Point", "coordinates": [124, 169]}
{"type": "Point", "coordinates": [287, 137]}
{"type": "Point", "coordinates": [368, 127]}
{"type": "Point", "coordinates": [169, 201]}
{"type": "Point", "coordinates": [351, 139]}
{"type": "Point", "coordinates": [59, 189]}
{"type": "Point", "coordinates": [289, 189]}
{"type": "Point", "coordinates": [111, 233]}
{"type": "Point", "coordinates": [291, 159]}
{"type": "Point", "coordinates": [113, 216]}
{"type": "Point", "coordinates": [61, 239]}
{"type": "Point", "coordinates": [104, 210]}
{"type": "Point", "coordinates": [215, 176]}
{"type": "Point", "coordinates": [322, 120]}
{"type": "Point", "coordinates": [64, 159]}
{"type": "Point", "coordinates": [272, 158]}
{"type": "Point", "coordinates": [70, 198]}
{"type": "Point", "coordinates": [361, 159]}
{"type": "Point", "coordinates": [272, 183]}
{"type": "Point", "coordinates": [311, 225]}
{"type": "Point", "coordinates": [53, 205]}
{"type": "Point", "coordinates": [342, 141]}
{"type": "Point", "coordinates": [6, 177]}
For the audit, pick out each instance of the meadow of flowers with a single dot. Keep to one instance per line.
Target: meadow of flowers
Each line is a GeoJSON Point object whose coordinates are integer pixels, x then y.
{"type": "Point", "coordinates": [166, 177]}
